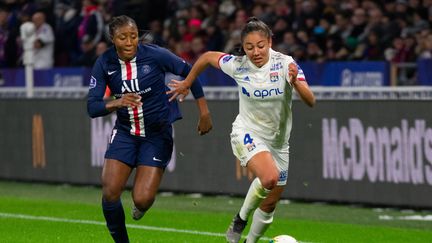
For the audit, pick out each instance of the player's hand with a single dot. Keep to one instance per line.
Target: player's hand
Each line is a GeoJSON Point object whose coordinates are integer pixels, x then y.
{"type": "Point", "coordinates": [178, 88]}
{"type": "Point", "coordinates": [205, 124]}
{"type": "Point", "coordinates": [292, 72]}
{"type": "Point", "coordinates": [129, 100]}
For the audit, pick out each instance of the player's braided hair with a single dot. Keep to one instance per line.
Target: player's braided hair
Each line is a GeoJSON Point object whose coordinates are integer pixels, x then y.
{"type": "Point", "coordinates": [118, 22]}
{"type": "Point", "coordinates": [254, 24]}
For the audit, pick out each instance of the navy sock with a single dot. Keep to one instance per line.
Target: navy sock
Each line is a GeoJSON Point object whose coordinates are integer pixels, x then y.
{"type": "Point", "coordinates": [115, 219]}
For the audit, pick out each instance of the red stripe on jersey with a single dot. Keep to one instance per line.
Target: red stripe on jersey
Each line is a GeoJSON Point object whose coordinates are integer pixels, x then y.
{"type": "Point", "coordinates": [134, 109]}
{"type": "Point", "coordinates": [128, 71]}
{"type": "Point", "coordinates": [136, 121]}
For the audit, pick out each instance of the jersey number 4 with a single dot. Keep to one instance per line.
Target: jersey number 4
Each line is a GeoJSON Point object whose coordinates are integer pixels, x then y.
{"type": "Point", "coordinates": [247, 139]}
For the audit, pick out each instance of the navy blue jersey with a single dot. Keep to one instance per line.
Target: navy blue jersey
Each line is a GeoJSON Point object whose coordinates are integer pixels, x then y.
{"type": "Point", "coordinates": [144, 75]}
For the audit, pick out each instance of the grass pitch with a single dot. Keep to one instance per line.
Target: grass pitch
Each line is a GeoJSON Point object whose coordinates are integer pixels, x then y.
{"type": "Point", "coordinates": [32, 212]}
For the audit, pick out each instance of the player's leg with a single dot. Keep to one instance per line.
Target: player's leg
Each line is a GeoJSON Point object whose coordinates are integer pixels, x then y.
{"type": "Point", "coordinates": [263, 166]}
{"type": "Point", "coordinates": [153, 157]}
{"type": "Point", "coordinates": [114, 178]}
{"type": "Point", "coordinates": [263, 216]}
{"type": "Point", "coordinates": [146, 185]}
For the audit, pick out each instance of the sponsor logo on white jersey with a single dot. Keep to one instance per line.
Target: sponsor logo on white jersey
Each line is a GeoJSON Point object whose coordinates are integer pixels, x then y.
{"type": "Point", "coordinates": [242, 69]}
{"type": "Point", "coordinates": [274, 77]}
{"type": "Point", "coordinates": [227, 58]}
{"type": "Point", "coordinates": [283, 175]}
{"type": "Point", "coordinates": [276, 66]}
{"type": "Point", "coordinates": [263, 93]}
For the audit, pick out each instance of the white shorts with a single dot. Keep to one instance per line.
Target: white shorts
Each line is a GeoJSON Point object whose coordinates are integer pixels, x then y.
{"type": "Point", "coordinates": [245, 144]}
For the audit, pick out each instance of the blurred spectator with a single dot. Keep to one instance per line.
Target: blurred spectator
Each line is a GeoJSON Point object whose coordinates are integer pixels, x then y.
{"type": "Point", "coordinates": [88, 55]}
{"type": "Point", "coordinates": [306, 29]}
{"type": "Point", "coordinates": [233, 41]}
{"type": "Point", "coordinates": [194, 27]}
{"type": "Point", "coordinates": [91, 27]}
{"type": "Point", "coordinates": [279, 28]}
{"type": "Point", "coordinates": [215, 37]}
{"type": "Point", "coordinates": [155, 28]}
{"type": "Point", "coordinates": [314, 52]}
{"type": "Point", "coordinates": [288, 44]}
{"type": "Point", "coordinates": [402, 50]}
{"type": "Point", "coordinates": [101, 47]}
{"type": "Point", "coordinates": [424, 49]}
{"type": "Point", "coordinates": [9, 35]}
{"type": "Point", "coordinates": [44, 43]}
{"type": "Point", "coordinates": [4, 32]}
{"type": "Point", "coordinates": [67, 47]}
{"type": "Point", "coordinates": [197, 48]}
{"type": "Point", "coordinates": [370, 49]}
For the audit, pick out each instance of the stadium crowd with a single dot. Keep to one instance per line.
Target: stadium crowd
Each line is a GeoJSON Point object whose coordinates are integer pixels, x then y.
{"type": "Point", "coordinates": [308, 30]}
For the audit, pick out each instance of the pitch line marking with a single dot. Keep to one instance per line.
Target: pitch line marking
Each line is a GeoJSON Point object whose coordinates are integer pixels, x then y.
{"type": "Point", "coordinates": [411, 217]}
{"type": "Point", "coordinates": [93, 222]}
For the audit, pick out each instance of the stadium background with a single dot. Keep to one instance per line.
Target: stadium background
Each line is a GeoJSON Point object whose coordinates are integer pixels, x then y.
{"type": "Point", "coordinates": [354, 55]}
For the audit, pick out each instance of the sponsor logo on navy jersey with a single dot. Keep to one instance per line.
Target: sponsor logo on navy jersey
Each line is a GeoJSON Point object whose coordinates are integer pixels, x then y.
{"type": "Point", "coordinates": [130, 86]}
{"type": "Point", "coordinates": [274, 77]}
{"type": "Point", "coordinates": [146, 69]}
{"type": "Point", "coordinates": [139, 92]}
{"type": "Point", "coordinates": [226, 59]}
{"type": "Point", "coordinates": [276, 66]}
{"type": "Point", "coordinates": [92, 82]}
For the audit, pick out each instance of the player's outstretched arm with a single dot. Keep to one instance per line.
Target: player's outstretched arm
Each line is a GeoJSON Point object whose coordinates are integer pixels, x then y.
{"type": "Point", "coordinates": [182, 87]}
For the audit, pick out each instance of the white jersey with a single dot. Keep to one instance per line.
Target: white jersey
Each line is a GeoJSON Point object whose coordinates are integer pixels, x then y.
{"type": "Point", "coordinates": [265, 95]}
{"type": "Point", "coordinates": [44, 57]}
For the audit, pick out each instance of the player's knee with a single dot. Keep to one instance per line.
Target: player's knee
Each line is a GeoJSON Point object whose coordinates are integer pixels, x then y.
{"type": "Point", "coordinates": [270, 181]}
{"type": "Point", "coordinates": [110, 194]}
{"type": "Point", "coordinates": [143, 201]}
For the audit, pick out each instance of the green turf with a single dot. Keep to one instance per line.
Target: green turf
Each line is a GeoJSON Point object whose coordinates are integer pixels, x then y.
{"type": "Point", "coordinates": [73, 214]}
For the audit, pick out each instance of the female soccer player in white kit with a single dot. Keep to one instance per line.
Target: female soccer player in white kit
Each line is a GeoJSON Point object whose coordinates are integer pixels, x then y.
{"type": "Point", "coordinates": [261, 131]}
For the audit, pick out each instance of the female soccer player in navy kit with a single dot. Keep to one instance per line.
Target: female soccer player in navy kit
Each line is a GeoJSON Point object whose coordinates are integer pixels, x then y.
{"type": "Point", "coordinates": [259, 138]}
{"type": "Point", "coordinates": [142, 136]}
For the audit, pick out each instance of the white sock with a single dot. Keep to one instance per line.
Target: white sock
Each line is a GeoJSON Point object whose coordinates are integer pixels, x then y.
{"type": "Point", "coordinates": [256, 194]}
{"type": "Point", "coordinates": [261, 221]}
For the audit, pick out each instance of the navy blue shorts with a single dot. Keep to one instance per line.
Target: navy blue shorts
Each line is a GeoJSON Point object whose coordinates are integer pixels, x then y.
{"type": "Point", "coordinates": [133, 150]}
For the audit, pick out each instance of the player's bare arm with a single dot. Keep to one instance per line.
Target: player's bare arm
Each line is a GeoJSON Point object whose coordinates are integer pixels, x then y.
{"type": "Point", "coordinates": [182, 87]}
{"type": "Point", "coordinates": [301, 87]}
{"type": "Point", "coordinates": [205, 123]}
{"type": "Point", "coordinates": [127, 100]}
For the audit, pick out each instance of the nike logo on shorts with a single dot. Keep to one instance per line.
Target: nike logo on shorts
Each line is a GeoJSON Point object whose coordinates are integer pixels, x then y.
{"type": "Point", "coordinates": [156, 159]}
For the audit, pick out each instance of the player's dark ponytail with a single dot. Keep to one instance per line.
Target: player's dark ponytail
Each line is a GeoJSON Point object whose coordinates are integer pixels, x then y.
{"type": "Point", "coordinates": [254, 24]}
